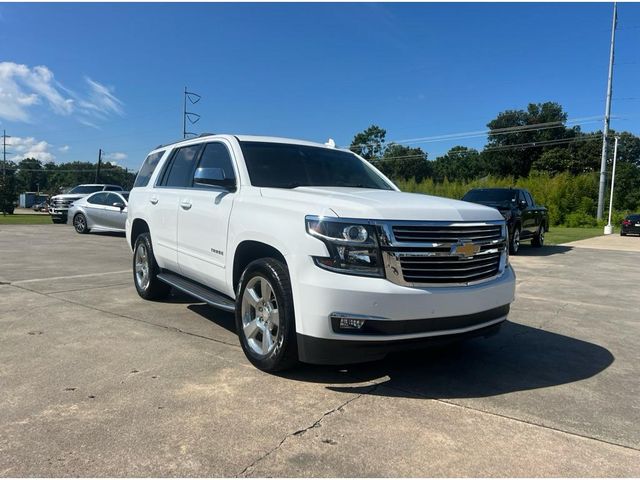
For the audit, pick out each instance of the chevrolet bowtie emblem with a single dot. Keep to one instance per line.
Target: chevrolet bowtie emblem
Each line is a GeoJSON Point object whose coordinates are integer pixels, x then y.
{"type": "Point", "coordinates": [465, 249]}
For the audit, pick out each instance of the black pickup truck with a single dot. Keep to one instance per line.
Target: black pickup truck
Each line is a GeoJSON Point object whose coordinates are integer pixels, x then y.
{"type": "Point", "coordinates": [525, 219]}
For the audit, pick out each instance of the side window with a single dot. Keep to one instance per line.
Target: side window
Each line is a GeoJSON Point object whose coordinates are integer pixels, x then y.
{"type": "Point", "coordinates": [521, 197]}
{"type": "Point", "coordinates": [113, 188]}
{"type": "Point", "coordinates": [216, 155]}
{"type": "Point", "coordinates": [180, 173]}
{"type": "Point", "coordinates": [527, 195]}
{"type": "Point", "coordinates": [149, 165]}
{"type": "Point", "coordinates": [113, 198]}
{"type": "Point", "coordinates": [98, 199]}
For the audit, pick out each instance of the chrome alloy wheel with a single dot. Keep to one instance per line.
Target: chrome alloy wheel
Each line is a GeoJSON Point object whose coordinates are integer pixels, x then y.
{"type": "Point", "coordinates": [142, 266]}
{"type": "Point", "coordinates": [516, 240]}
{"type": "Point", "coordinates": [260, 316]}
{"type": "Point", "coordinates": [80, 223]}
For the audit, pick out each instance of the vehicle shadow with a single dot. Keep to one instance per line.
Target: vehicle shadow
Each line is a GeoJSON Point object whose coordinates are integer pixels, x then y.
{"type": "Point", "coordinates": [546, 251]}
{"type": "Point", "coordinates": [108, 234]}
{"type": "Point", "coordinates": [516, 359]}
{"type": "Point", "coordinates": [221, 318]}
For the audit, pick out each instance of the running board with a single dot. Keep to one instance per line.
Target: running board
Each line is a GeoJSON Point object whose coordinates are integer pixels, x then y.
{"type": "Point", "coordinates": [198, 291]}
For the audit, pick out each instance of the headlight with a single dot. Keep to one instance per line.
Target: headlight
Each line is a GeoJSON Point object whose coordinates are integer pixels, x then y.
{"type": "Point", "coordinates": [353, 247]}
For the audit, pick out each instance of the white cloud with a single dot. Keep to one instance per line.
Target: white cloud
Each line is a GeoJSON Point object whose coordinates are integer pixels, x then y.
{"type": "Point", "coordinates": [64, 148]}
{"type": "Point", "coordinates": [115, 157]}
{"type": "Point", "coordinates": [29, 147]}
{"type": "Point", "coordinates": [22, 89]}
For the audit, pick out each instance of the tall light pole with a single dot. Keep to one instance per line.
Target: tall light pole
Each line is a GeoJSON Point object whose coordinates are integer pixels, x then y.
{"type": "Point", "coordinates": [607, 113]}
{"type": "Point", "coordinates": [608, 229]}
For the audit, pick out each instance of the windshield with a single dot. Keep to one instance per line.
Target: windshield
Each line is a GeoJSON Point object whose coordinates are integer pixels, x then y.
{"type": "Point", "coordinates": [499, 196]}
{"type": "Point", "coordinates": [634, 217]}
{"type": "Point", "coordinates": [284, 165]}
{"type": "Point", "coordinates": [86, 189]}
{"type": "Point", "coordinates": [126, 196]}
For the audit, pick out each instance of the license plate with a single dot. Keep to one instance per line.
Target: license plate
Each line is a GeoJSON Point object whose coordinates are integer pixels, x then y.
{"type": "Point", "coordinates": [637, 224]}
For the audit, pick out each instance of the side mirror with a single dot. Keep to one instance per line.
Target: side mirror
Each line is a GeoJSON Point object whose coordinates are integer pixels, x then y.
{"type": "Point", "coordinates": [213, 177]}
{"type": "Point", "coordinates": [120, 205]}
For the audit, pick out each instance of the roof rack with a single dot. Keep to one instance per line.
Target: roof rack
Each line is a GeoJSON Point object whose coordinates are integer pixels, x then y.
{"type": "Point", "coordinates": [183, 140]}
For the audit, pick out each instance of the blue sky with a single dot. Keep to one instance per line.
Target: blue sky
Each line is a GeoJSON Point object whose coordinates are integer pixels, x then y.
{"type": "Point", "coordinates": [78, 77]}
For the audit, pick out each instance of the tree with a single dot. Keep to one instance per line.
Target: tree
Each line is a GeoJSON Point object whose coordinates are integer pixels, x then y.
{"type": "Point", "coordinates": [512, 141]}
{"type": "Point", "coordinates": [400, 161]}
{"type": "Point", "coordinates": [31, 176]}
{"type": "Point", "coordinates": [459, 163]}
{"type": "Point", "coordinates": [8, 187]}
{"type": "Point", "coordinates": [369, 144]}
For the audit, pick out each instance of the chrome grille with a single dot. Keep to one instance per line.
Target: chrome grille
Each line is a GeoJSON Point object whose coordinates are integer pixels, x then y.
{"type": "Point", "coordinates": [441, 253]}
{"type": "Point", "coordinates": [437, 233]}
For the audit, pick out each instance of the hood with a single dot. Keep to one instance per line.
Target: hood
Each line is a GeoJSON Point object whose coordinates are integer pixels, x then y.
{"type": "Point", "coordinates": [69, 196]}
{"type": "Point", "coordinates": [380, 204]}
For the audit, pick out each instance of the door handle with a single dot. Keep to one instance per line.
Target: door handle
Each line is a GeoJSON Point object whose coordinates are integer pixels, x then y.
{"type": "Point", "coordinates": [185, 204]}
{"type": "Point", "coordinates": [153, 200]}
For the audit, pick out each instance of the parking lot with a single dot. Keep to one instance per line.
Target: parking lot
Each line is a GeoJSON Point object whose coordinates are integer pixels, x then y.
{"type": "Point", "coordinates": [94, 381]}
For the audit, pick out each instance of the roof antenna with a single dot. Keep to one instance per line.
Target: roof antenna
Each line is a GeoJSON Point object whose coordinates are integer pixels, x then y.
{"type": "Point", "coordinates": [330, 143]}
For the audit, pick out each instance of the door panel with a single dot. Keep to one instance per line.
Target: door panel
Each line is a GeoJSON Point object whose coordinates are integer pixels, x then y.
{"type": "Point", "coordinates": [203, 220]}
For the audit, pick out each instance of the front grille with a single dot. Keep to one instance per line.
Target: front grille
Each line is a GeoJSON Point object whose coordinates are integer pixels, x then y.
{"type": "Point", "coordinates": [427, 253]}
{"type": "Point", "coordinates": [61, 203]}
{"type": "Point", "coordinates": [437, 233]}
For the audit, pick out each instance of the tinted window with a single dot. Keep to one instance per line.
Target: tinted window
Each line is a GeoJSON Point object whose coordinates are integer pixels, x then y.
{"type": "Point", "coordinates": [149, 165]}
{"type": "Point", "coordinates": [527, 196]}
{"type": "Point", "coordinates": [216, 155]}
{"type": "Point", "coordinates": [113, 198]}
{"type": "Point", "coordinates": [283, 165]}
{"type": "Point", "coordinates": [98, 199]}
{"type": "Point", "coordinates": [496, 195]}
{"type": "Point", "coordinates": [634, 217]}
{"type": "Point", "coordinates": [125, 195]}
{"type": "Point", "coordinates": [180, 173]}
{"type": "Point", "coordinates": [113, 188]}
{"type": "Point", "coordinates": [86, 189]}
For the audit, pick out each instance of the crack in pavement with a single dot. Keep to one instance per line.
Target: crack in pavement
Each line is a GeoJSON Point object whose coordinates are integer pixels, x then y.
{"type": "Point", "coordinates": [302, 431]}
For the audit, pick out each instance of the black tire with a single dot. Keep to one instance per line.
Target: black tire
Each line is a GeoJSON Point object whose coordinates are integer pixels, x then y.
{"type": "Point", "coordinates": [154, 288]}
{"type": "Point", "coordinates": [80, 223]}
{"type": "Point", "coordinates": [538, 238]}
{"type": "Point", "coordinates": [284, 354]}
{"type": "Point", "coordinates": [623, 234]}
{"type": "Point", "coordinates": [514, 240]}
{"type": "Point", "coordinates": [59, 220]}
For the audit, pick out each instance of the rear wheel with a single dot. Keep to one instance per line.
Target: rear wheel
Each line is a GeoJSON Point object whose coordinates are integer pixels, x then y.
{"type": "Point", "coordinates": [538, 238]}
{"type": "Point", "coordinates": [80, 223]}
{"type": "Point", "coordinates": [59, 220]}
{"type": "Point", "coordinates": [264, 316]}
{"type": "Point", "coordinates": [145, 271]}
{"type": "Point", "coordinates": [514, 240]}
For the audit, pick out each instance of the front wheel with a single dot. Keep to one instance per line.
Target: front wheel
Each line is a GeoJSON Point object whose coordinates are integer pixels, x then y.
{"type": "Point", "coordinates": [264, 316]}
{"type": "Point", "coordinates": [145, 271]}
{"type": "Point", "coordinates": [538, 238]}
{"type": "Point", "coordinates": [623, 234]}
{"type": "Point", "coordinates": [514, 240]}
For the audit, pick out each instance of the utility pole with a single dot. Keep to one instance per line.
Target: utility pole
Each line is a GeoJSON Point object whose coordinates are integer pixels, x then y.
{"type": "Point", "coordinates": [608, 229]}
{"type": "Point", "coordinates": [98, 167]}
{"type": "Point", "coordinates": [607, 113]}
{"type": "Point", "coordinates": [190, 116]}
{"type": "Point", "coordinates": [4, 153]}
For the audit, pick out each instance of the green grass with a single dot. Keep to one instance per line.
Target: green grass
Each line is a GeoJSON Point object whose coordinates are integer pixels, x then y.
{"type": "Point", "coordinates": [558, 235]}
{"type": "Point", "coordinates": [25, 219]}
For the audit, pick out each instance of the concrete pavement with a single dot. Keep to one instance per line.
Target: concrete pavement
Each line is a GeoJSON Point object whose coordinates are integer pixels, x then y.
{"type": "Point", "coordinates": [95, 381]}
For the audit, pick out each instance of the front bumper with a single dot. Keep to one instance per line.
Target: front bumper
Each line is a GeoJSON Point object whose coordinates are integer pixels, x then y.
{"type": "Point", "coordinates": [420, 312]}
{"type": "Point", "coordinates": [59, 212]}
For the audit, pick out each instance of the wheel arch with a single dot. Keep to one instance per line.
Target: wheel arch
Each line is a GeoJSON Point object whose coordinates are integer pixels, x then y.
{"type": "Point", "coordinates": [249, 250]}
{"type": "Point", "coordinates": [138, 227]}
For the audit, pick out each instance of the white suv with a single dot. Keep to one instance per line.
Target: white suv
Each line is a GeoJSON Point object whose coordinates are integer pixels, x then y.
{"type": "Point", "coordinates": [319, 255]}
